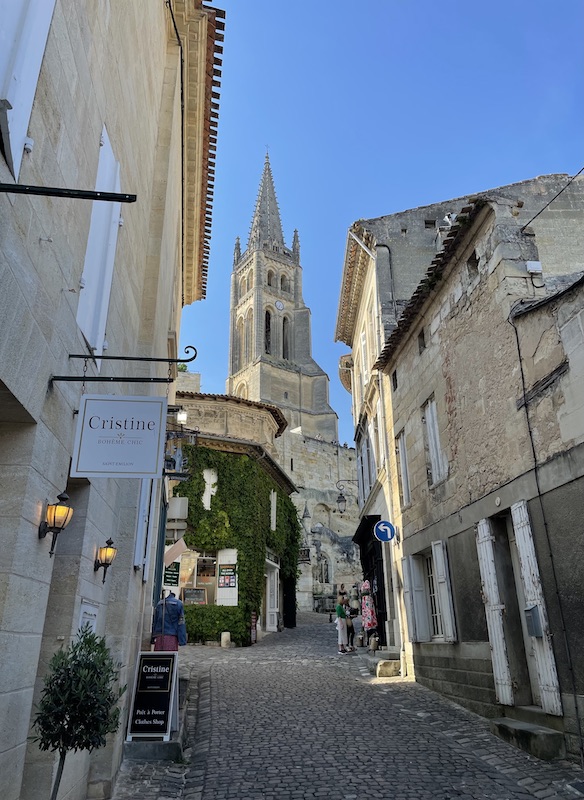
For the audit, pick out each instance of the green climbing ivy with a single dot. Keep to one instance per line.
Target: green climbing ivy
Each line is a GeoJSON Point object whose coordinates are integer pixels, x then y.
{"type": "Point", "coordinates": [240, 517]}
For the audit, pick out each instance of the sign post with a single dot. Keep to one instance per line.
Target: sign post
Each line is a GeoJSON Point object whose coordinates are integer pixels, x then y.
{"type": "Point", "coordinates": [154, 711]}
{"type": "Point", "coordinates": [383, 531]}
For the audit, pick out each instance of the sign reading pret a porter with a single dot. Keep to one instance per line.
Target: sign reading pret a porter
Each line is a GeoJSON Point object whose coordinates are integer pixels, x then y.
{"type": "Point", "coordinates": [119, 437]}
{"type": "Point", "coordinates": [153, 707]}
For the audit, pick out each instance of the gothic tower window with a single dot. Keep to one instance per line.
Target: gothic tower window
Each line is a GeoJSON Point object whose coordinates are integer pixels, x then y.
{"type": "Point", "coordinates": [239, 345]}
{"type": "Point", "coordinates": [249, 336]}
{"type": "Point", "coordinates": [285, 338]}
{"type": "Point", "coordinates": [249, 281]}
{"type": "Point", "coordinates": [284, 283]}
{"type": "Point", "coordinates": [268, 333]}
{"type": "Point", "coordinates": [242, 287]}
{"type": "Point", "coordinates": [270, 278]}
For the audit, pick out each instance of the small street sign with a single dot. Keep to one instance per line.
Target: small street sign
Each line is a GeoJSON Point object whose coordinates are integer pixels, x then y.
{"type": "Point", "coordinates": [383, 531]}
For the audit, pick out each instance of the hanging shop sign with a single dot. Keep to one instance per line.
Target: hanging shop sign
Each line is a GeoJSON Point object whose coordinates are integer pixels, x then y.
{"type": "Point", "coordinates": [119, 437]}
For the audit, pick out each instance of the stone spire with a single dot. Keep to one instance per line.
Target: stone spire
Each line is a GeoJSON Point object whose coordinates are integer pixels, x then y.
{"type": "Point", "coordinates": [296, 247]}
{"type": "Point", "coordinates": [237, 252]}
{"type": "Point", "coordinates": [266, 227]}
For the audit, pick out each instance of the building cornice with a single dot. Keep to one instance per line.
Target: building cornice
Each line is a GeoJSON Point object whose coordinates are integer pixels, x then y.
{"type": "Point", "coordinates": [360, 246]}
{"type": "Point", "coordinates": [201, 31]}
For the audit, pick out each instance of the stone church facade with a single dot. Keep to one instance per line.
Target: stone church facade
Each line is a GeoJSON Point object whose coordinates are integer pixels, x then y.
{"type": "Point", "coordinates": [270, 361]}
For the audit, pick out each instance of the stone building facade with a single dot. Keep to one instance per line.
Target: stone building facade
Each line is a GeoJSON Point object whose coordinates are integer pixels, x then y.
{"type": "Point", "coordinates": [243, 427]}
{"type": "Point", "coordinates": [93, 278]}
{"type": "Point", "coordinates": [270, 361]}
{"type": "Point", "coordinates": [484, 421]}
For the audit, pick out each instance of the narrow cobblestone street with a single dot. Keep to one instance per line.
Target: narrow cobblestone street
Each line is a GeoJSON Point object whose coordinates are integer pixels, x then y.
{"type": "Point", "coordinates": [290, 718]}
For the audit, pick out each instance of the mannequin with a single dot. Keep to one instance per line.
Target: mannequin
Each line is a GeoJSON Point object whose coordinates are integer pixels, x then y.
{"type": "Point", "coordinates": [168, 627]}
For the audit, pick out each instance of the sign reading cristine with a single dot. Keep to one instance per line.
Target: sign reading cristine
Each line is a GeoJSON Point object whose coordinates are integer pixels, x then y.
{"type": "Point", "coordinates": [119, 437]}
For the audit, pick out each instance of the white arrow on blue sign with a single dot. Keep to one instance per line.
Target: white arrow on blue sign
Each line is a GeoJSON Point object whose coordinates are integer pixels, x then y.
{"type": "Point", "coordinates": [383, 531]}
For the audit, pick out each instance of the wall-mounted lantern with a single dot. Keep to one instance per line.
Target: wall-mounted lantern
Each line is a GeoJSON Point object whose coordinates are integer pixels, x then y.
{"type": "Point", "coordinates": [57, 517]}
{"type": "Point", "coordinates": [341, 499]}
{"type": "Point", "coordinates": [105, 557]}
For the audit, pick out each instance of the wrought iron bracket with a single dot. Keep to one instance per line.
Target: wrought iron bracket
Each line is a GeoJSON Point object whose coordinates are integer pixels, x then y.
{"type": "Point", "coordinates": [113, 379]}
{"type": "Point", "coordinates": [75, 194]}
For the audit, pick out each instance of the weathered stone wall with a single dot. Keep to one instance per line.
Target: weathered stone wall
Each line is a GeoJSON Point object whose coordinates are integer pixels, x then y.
{"type": "Point", "coordinates": [508, 389]}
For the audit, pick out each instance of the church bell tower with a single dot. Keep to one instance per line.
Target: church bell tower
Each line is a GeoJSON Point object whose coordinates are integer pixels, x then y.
{"type": "Point", "coordinates": [270, 352]}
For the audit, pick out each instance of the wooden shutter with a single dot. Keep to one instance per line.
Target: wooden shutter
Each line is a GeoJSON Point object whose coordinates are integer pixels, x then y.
{"type": "Point", "coordinates": [444, 590]}
{"type": "Point", "coordinates": [494, 610]}
{"type": "Point", "coordinates": [101, 250]}
{"type": "Point", "coordinates": [24, 29]}
{"type": "Point", "coordinates": [547, 675]}
{"type": "Point", "coordinates": [408, 599]}
{"type": "Point", "coordinates": [416, 599]}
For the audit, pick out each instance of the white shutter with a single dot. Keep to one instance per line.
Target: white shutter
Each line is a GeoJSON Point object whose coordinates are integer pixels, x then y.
{"type": "Point", "coordinates": [437, 458]}
{"type": "Point", "coordinates": [101, 250]}
{"type": "Point", "coordinates": [24, 29]}
{"type": "Point", "coordinates": [444, 590]}
{"type": "Point", "coordinates": [420, 598]}
{"type": "Point", "coordinates": [408, 599]}
{"type": "Point", "coordinates": [547, 675]}
{"type": "Point", "coordinates": [494, 610]}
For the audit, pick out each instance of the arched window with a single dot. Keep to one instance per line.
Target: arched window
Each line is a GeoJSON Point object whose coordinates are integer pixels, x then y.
{"type": "Point", "coordinates": [242, 285]}
{"type": "Point", "coordinates": [249, 336]}
{"type": "Point", "coordinates": [270, 278]}
{"type": "Point", "coordinates": [238, 345]}
{"type": "Point", "coordinates": [249, 281]}
{"type": "Point", "coordinates": [284, 283]}
{"type": "Point", "coordinates": [268, 333]}
{"type": "Point", "coordinates": [286, 338]}
{"type": "Point", "coordinates": [241, 391]}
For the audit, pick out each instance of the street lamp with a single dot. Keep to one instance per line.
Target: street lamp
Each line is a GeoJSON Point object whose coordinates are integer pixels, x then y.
{"type": "Point", "coordinates": [57, 517]}
{"type": "Point", "coordinates": [341, 499]}
{"type": "Point", "coordinates": [105, 557]}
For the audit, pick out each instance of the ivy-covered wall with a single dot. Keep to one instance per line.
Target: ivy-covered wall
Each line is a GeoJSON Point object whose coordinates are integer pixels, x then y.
{"type": "Point", "coordinates": [240, 517]}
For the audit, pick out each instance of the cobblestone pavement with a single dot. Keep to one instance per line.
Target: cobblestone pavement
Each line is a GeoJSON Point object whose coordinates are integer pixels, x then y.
{"type": "Point", "coordinates": [289, 718]}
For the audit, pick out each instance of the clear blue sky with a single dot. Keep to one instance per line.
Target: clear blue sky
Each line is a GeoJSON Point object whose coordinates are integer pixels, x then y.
{"type": "Point", "coordinates": [373, 107]}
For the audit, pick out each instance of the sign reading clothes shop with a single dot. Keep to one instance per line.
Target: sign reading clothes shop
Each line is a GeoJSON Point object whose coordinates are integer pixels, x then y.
{"type": "Point", "coordinates": [154, 705]}
{"type": "Point", "coordinates": [119, 437]}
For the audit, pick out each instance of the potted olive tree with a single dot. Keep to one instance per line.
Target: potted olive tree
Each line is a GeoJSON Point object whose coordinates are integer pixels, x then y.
{"type": "Point", "coordinates": [78, 701]}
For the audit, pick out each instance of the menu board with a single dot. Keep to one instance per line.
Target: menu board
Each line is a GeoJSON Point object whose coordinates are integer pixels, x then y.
{"type": "Point", "coordinates": [194, 597]}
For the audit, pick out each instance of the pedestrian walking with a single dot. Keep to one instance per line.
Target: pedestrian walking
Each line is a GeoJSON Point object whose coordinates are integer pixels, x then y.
{"type": "Point", "coordinates": [341, 625]}
{"type": "Point", "coordinates": [350, 627]}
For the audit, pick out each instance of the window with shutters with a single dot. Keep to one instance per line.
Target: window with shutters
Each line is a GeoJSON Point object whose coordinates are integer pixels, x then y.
{"type": "Point", "coordinates": [364, 358]}
{"type": "Point", "coordinates": [24, 30]}
{"type": "Point", "coordinates": [428, 596]}
{"type": "Point", "coordinates": [403, 480]}
{"type": "Point", "coordinates": [436, 463]}
{"type": "Point", "coordinates": [98, 268]}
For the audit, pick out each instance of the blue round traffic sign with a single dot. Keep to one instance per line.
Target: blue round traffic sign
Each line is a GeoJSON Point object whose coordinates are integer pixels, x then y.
{"type": "Point", "coordinates": [383, 531]}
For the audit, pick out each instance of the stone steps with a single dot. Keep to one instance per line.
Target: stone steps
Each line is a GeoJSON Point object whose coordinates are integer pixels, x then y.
{"type": "Point", "coordinates": [539, 741]}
